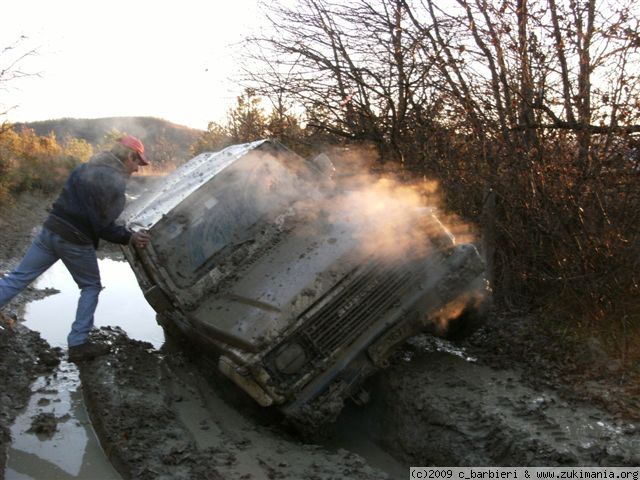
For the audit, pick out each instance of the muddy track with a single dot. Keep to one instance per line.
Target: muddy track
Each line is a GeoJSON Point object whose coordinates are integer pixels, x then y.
{"type": "Point", "coordinates": [24, 356]}
{"type": "Point", "coordinates": [511, 395]}
{"type": "Point", "coordinates": [162, 419]}
{"type": "Point", "coordinates": [443, 409]}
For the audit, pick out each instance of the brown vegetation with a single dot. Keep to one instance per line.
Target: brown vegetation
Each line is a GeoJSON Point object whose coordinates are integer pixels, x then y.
{"type": "Point", "coordinates": [247, 122]}
{"type": "Point", "coordinates": [30, 162]}
{"type": "Point", "coordinates": [524, 112]}
{"type": "Point", "coordinates": [40, 155]}
{"type": "Point", "coordinates": [166, 143]}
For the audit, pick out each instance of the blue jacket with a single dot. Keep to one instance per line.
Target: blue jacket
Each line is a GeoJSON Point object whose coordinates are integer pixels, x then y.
{"type": "Point", "coordinates": [92, 198]}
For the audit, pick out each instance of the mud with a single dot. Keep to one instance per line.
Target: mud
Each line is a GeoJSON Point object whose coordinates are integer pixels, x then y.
{"type": "Point", "coordinates": [443, 409]}
{"type": "Point", "coordinates": [23, 356]}
{"type": "Point", "coordinates": [164, 419]}
{"type": "Point", "coordinates": [513, 394]}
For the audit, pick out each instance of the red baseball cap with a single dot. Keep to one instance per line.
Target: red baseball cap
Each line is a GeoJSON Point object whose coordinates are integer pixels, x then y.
{"type": "Point", "coordinates": [136, 145]}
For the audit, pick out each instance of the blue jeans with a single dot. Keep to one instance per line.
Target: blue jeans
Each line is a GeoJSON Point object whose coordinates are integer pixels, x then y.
{"type": "Point", "coordinates": [82, 263]}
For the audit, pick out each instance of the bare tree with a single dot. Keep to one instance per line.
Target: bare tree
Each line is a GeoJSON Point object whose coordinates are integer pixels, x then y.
{"type": "Point", "coordinates": [552, 86]}
{"type": "Point", "coordinates": [12, 58]}
{"type": "Point", "coordinates": [353, 67]}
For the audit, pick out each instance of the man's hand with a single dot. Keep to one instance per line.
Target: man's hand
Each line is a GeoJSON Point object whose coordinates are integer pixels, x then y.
{"type": "Point", "coordinates": [140, 239]}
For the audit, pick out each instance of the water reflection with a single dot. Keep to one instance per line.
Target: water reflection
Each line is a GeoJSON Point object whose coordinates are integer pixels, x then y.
{"type": "Point", "coordinates": [72, 451]}
{"type": "Point", "coordinates": [121, 304]}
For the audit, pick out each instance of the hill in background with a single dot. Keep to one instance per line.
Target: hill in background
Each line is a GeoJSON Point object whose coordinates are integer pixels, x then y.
{"type": "Point", "coordinates": [165, 142]}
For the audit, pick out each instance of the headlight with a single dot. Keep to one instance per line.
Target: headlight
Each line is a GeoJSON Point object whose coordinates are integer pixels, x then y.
{"type": "Point", "coordinates": [291, 358]}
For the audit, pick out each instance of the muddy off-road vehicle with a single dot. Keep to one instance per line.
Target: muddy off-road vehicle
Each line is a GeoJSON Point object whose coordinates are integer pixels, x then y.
{"type": "Point", "coordinates": [266, 261]}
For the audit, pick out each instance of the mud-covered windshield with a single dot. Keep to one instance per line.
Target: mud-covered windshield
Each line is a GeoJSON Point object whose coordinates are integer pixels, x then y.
{"type": "Point", "coordinates": [225, 212]}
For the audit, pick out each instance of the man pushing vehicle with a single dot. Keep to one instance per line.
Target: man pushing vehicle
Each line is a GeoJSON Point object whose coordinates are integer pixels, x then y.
{"type": "Point", "coordinates": [85, 211]}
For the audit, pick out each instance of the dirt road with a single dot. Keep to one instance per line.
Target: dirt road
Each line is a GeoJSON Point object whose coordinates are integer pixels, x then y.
{"type": "Point", "coordinates": [511, 395]}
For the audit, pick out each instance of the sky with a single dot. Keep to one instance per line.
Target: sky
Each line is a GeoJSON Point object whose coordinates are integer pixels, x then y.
{"type": "Point", "coordinates": [171, 60]}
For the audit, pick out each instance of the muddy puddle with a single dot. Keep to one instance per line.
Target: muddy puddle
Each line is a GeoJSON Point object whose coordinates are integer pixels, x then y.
{"type": "Point", "coordinates": [53, 438]}
{"type": "Point", "coordinates": [121, 304]}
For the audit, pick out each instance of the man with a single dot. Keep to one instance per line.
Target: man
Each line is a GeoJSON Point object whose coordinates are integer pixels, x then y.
{"type": "Point", "coordinates": [91, 200]}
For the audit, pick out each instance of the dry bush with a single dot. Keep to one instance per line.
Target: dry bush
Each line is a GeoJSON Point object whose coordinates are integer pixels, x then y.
{"type": "Point", "coordinates": [567, 232]}
{"type": "Point", "coordinates": [31, 162]}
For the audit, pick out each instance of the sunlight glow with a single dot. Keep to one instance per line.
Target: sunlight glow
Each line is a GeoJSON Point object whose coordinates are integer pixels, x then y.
{"type": "Point", "coordinates": [174, 61]}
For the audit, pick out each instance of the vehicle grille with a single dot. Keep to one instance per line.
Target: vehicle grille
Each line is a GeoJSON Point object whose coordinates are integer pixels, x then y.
{"type": "Point", "coordinates": [336, 320]}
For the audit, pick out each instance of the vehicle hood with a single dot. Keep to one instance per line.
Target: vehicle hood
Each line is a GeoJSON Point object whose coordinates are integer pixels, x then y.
{"type": "Point", "coordinates": [267, 297]}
